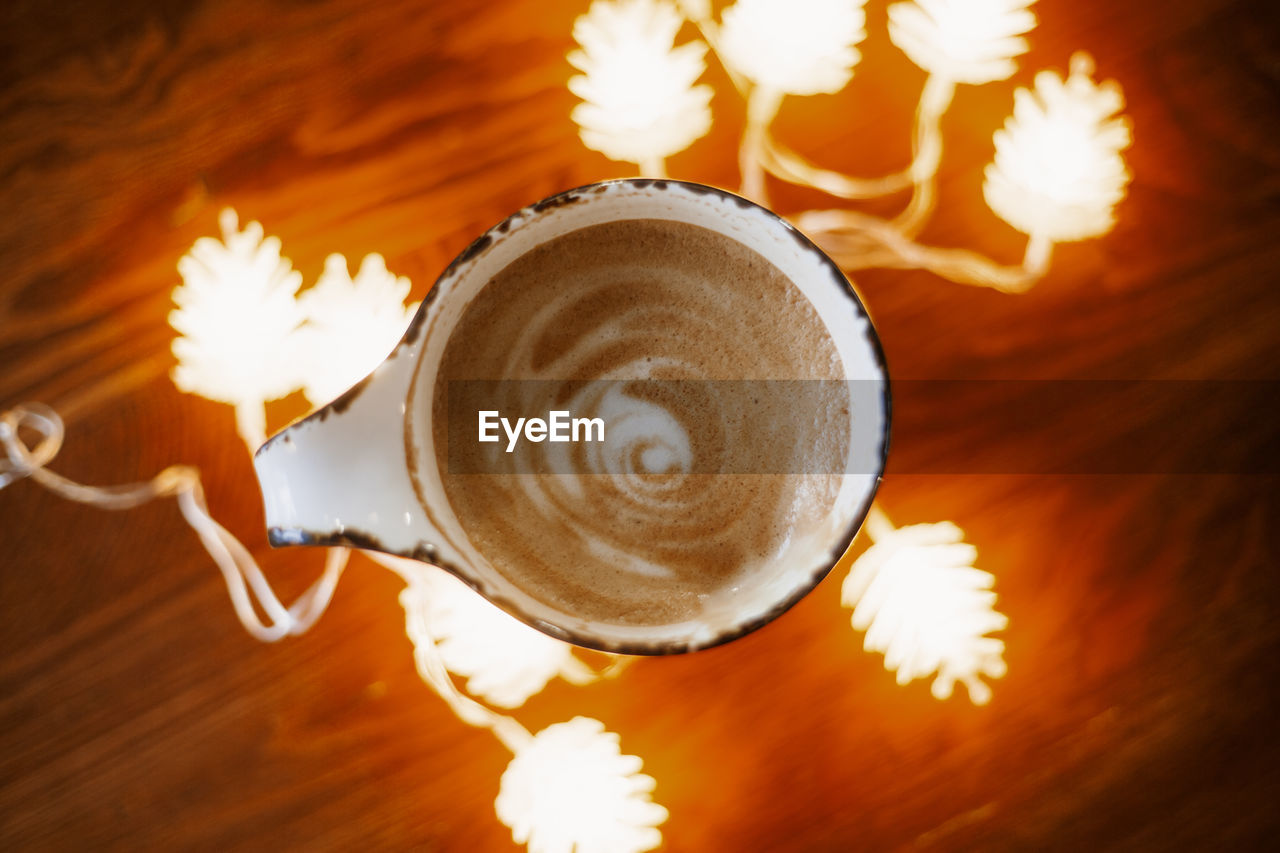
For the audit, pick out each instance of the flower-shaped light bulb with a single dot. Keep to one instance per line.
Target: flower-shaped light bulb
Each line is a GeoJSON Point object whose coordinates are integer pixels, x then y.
{"type": "Point", "coordinates": [927, 609]}
{"type": "Point", "coordinates": [504, 660]}
{"type": "Point", "coordinates": [794, 47]}
{"type": "Point", "coordinates": [351, 325]}
{"type": "Point", "coordinates": [1058, 172]}
{"type": "Point", "coordinates": [236, 317]}
{"type": "Point", "coordinates": [571, 790]}
{"type": "Point", "coordinates": [965, 41]}
{"type": "Point", "coordinates": [639, 101]}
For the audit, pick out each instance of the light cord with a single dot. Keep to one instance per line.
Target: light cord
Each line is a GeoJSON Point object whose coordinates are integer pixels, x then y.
{"type": "Point", "coordinates": [245, 582]}
{"type": "Point", "coordinates": [430, 662]}
{"type": "Point", "coordinates": [788, 165]}
{"type": "Point", "coordinates": [859, 240]}
{"type": "Point", "coordinates": [653, 167]}
{"type": "Point", "coordinates": [762, 106]}
{"type": "Point", "coordinates": [251, 424]}
{"type": "Point", "coordinates": [762, 152]}
{"type": "Point", "coordinates": [926, 146]}
{"type": "Point", "coordinates": [247, 586]}
{"type": "Point", "coordinates": [877, 524]}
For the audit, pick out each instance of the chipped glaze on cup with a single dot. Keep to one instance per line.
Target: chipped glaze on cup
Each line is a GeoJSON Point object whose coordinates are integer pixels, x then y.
{"type": "Point", "coordinates": [361, 471]}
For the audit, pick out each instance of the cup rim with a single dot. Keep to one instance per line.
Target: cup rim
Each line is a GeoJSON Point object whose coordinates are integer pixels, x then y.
{"type": "Point", "coordinates": [641, 647]}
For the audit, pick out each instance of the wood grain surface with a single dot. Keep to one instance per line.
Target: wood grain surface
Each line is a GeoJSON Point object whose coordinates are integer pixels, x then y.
{"type": "Point", "coordinates": [1140, 709]}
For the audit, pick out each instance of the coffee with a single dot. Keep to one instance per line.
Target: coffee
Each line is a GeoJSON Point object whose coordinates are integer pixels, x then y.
{"type": "Point", "coordinates": [634, 307]}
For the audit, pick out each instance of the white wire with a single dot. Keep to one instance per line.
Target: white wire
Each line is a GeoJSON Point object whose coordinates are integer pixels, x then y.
{"type": "Point", "coordinates": [858, 240]}
{"type": "Point", "coordinates": [430, 662]}
{"type": "Point", "coordinates": [245, 582]}
{"type": "Point", "coordinates": [792, 167]}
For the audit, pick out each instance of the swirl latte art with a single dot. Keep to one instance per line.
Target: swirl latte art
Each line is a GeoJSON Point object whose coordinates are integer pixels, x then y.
{"type": "Point", "coordinates": [641, 529]}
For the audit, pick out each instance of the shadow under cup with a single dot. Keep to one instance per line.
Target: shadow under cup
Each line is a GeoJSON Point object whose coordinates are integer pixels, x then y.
{"type": "Point", "coordinates": [770, 587]}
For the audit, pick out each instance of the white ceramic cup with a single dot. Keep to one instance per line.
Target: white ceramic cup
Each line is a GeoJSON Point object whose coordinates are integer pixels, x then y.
{"type": "Point", "coordinates": [362, 472]}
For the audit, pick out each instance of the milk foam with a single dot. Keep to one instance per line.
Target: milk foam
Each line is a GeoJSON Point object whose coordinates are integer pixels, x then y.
{"type": "Point", "coordinates": [639, 300]}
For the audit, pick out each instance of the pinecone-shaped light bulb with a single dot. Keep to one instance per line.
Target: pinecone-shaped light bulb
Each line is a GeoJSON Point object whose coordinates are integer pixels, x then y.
{"type": "Point", "coordinates": [1058, 171]}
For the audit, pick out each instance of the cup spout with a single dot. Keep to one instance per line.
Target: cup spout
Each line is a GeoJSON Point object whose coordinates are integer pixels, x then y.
{"type": "Point", "coordinates": [339, 476]}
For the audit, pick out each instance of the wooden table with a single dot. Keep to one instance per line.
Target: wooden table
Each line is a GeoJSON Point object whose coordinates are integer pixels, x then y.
{"type": "Point", "coordinates": [1140, 707]}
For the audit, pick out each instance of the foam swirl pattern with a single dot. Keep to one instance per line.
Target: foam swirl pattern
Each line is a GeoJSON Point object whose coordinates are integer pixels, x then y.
{"type": "Point", "coordinates": [611, 320]}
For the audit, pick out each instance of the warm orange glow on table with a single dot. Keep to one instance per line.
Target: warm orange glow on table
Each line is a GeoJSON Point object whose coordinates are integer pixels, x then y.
{"type": "Point", "coordinates": [1136, 711]}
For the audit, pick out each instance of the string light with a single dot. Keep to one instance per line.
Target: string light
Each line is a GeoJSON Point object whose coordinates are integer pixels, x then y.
{"type": "Point", "coordinates": [237, 320]}
{"type": "Point", "coordinates": [793, 47]}
{"type": "Point", "coordinates": [340, 330]}
{"type": "Point", "coordinates": [246, 584]}
{"type": "Point", "coordinates": [569, 788]}
{"type": "Point", "coordinates": [504, 661]}
{"type": "Point", "coordinates": [925, 607]}
{"type": "Point", "coordinates": [336, 333]}
{"type": "Point", "coordinates": [639, 101]}
{"type": "Point", "coordinates": [572, 790]}
{"type": "Point", "coordinates": [351, 325]}
{"type": "Point", "coordinates": [245, 336]}
{"type": "Point", "coordinates": [967, 41]}
{"type": "Point", "coordinates": [1058, 172]}
{"type": "Point", "coordinates": [774, 48]}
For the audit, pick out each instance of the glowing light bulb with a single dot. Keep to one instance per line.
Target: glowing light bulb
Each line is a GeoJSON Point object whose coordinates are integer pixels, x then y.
{"type": "Point", "coordinates": [927, 609]}
{"type": "Point", "coordinates": [639, 101]}
{"type": "Point", "coordinates": [1058, 172]}
{"type": "Point", "coordinates": [571, 790]}
{"type": "Point", "coordinates": [966, 41]}
{"type": "Point", "coordinates": [797, 47]}
{"type": "Point", "coordinates": [237, 318]}
{"type": "Point", "coordinates": [504, 661]}
{"type": "Point", "coordinates": [351, 325]}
